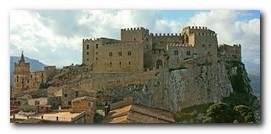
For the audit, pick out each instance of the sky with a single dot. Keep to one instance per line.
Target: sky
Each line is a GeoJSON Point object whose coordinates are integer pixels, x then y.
{"type": "Point", "coordinates": [54, 37]}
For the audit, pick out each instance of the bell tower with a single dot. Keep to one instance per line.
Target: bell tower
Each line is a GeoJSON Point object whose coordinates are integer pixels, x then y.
{"type": "Point", "coordinates": [21, 76]}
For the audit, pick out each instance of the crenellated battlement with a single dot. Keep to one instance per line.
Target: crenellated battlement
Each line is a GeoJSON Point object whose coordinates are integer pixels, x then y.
{"type": "Point", "coordinates": [134, 29]}
{"type": "Point", "coordinates": [196, 27]}
{"type": "Point", "coordinates": [237, 45]}
{"type": "Point", "coordinates": [91, 40]}
{"type": "Point", "coordinates": [165, 34]}
{"type": "Point", "coordinates": [199, 31]}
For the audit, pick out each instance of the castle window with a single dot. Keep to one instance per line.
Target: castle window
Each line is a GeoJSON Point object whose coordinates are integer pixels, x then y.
{"type": "Point", "coordinates": [37, 102]}
{"type": "Point", "coordinates": [18, 78]}
{"type": "Point", "coordinates": [187, 52]}
{"type": "Point", "coordinates": [120, 63]}
{"type": "Point", "coordinates": [87, 59]}
{"type": "Point", "coordinates": [96, 58]}
{"type": "Point", "coordinates": [65, 95]}
{"type": "Point", "coordinates": [110, 64]}
{"type": "Point", "coordinates": [209, 45]}
{"type": "Point", "coordinates": [96, 52]}
{"type": "Point", "coordinates": [110, 54]}
{"type": "Point", "coordinates": [129, 63]}
{"type": "Point", "coordinates": [69, 103]}
{"type": "Point", "coordinates": [76, 93]}
{"type": "Point", "coordinates": [203, 45]}
{"type": "Point", "coordinates": [134, 39]}
{"type": "Point", "coordinates": [87, 47]}
{"type": "Point", "coordinates": [147, 39]}
{"type": "Point", "coordinates": [129, 53]}
{"type": "Point", "coordinates": [96, 46]}
{"type": "Point", "coordinates": [87, 53]}
{"type": "Point", "coordinates": [120, 53]}
{"type": "Point", "coordinates": [176, 52]}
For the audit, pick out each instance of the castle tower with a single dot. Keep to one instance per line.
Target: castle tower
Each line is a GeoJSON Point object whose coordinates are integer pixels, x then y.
{"type": "Point", "coordinates": [21, 76]}
{"type": "Point", "coordinates": [204, 41]}
{"type": "Point", "coordinates": [135, 34]}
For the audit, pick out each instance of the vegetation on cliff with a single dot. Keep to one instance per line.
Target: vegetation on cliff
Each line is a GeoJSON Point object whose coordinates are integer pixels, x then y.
{"type": "Point", "coordinates": [241, 106]}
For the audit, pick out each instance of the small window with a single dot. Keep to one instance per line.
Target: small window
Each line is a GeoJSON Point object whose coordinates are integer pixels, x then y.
{"type": "Point", "coordinates": [110, 54]}
{"type": "Point", "coordinates": [120, 63]}
{"type": "Point", "coordinates": [65, 95]}
{"type": "Point", "coordinates": [147, 39]}
{"type": "Point", "coordinates": [96, 58]}
{"type": "Point", "coordinates": [96, 52]}
{"type": "Point", "coordinates": [87, 53]}
{"type": "Point", "coordinates": [187, 52]}
{"type": "Point", "coordinates": [209, 45]}
{"type": "Point", "coordinates": [69, 103]}
{"type": "Point", "coordinates": [129, 53]}
{"type": "Point", "coordinates": [110, 63]}
{"type": "Point", "coordinates": [76, 93]}
{"type": "Point", "coordinates": [87, 59]}
{"type": "Point", "coordinates": [203, 45]}
{"type": "Point", "coordinates": [120, 53]}
{"type": "Point", "coordinates": [176, 52]}
{"type": "Point", "coordinates": [96, 46]}
{"type": "Point", "coordinates": [37, 102]}
{"type": "Point", "coordinates": [87, 47]}
{"type": "Point", "coordinates": [129, 63]}
{"type": "Point", "coordinates": [134, 39]}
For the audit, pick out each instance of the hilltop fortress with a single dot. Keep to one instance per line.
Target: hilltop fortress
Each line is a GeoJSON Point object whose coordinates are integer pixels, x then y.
{"type": "Point", "coordinates": [139, 50]}
{"type": "Point", "coordinates": [158, 70]}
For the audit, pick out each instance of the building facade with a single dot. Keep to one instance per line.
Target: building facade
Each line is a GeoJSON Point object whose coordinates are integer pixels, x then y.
{"type": "Point", "coordinates": [138, 50]}
{"type": "Point", "coordinates": [25, 81]}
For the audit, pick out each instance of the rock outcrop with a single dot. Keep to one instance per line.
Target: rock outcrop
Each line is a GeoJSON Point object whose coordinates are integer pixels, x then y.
{"type": "Point", "coordinates": [180, 88]}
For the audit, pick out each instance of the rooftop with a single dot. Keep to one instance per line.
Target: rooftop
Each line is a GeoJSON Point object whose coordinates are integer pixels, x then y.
{"type": "Point", "coordinates": [138, 114]}
{"type": "Point", "coordinates": [62, 116]}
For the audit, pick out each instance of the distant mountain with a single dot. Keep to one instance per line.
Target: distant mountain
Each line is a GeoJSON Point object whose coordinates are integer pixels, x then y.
{"type": "Point", "coordinates": [255, 82]}
{"type": "Point", "coordinates": [34, 65]}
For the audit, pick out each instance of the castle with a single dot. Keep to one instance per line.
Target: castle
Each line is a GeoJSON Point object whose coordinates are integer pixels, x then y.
{"type": "Point", "coordinates": [139, 50]}
{"type": "Point", "coordinates": [139, 65]}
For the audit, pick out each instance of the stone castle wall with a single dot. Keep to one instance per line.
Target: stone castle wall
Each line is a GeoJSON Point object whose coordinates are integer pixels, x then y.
{"type": "Point", "coordinates": [227, 52]}
{"type": "Point", "coordinates": [149, 46]}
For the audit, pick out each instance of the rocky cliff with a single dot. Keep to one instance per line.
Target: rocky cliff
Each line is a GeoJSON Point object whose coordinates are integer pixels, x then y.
{"type": "Point", "coordinates": [176, 89]}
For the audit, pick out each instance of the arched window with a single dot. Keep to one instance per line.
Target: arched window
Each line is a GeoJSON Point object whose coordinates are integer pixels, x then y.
{"type": "Point", "coordinates": [176, 52]}
{"type": "Point", "coordinates": [96, 46]}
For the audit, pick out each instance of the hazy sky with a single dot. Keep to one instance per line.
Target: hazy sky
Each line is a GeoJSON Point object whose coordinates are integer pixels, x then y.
{"type": "Point", "coordinates": [54, 37]}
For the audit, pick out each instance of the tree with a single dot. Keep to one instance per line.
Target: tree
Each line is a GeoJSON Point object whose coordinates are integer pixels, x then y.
{"type": "Point", "coordinates": [245, 114]}
{"type": "Point", "coordinates": [220, 113]}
